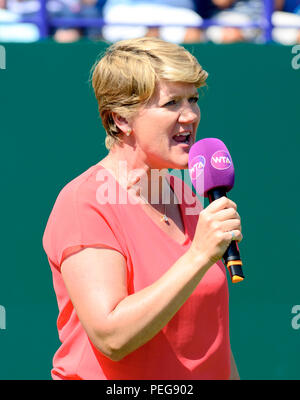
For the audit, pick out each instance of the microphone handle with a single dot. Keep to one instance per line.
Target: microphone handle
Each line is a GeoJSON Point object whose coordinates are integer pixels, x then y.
{"type": "Point", "coordinates": [231, 256]}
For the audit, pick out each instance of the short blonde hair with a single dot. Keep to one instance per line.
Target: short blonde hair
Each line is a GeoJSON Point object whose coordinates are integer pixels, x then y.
{"type": "Point", "coordinates": [125, 77]}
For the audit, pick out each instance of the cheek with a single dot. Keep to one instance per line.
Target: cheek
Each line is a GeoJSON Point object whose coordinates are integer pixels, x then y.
{"type": "Point", "coordinates": [157, 132]}
{"type": "Point", "coordinates": [199, 114]}
{"type": "Point", "coordinates": [197, 111]}
{"type": "Point", "coordinates": [156, 143]}
{"type": "Point", "coordinates": [154, 130]}
{"type": "Point", "coordinates": [197, 121]}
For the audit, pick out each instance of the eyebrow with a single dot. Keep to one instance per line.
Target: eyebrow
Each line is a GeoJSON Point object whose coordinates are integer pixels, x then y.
{"type": "Point", "coordinates": [177, 97]}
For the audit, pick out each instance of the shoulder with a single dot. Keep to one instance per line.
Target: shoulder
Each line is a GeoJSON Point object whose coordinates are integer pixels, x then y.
{"type": "Point", "coordinates": [83, 190]}
{"type": "Point", "coordinates": [79, 217]}
{"type": "Point", "coordinates": [77, 198]}
{"type": "Point", "coordinates": [66, 203]}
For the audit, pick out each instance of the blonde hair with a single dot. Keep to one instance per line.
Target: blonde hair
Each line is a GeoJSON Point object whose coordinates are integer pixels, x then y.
{"type": "Point", "coordinates": [125, 77]}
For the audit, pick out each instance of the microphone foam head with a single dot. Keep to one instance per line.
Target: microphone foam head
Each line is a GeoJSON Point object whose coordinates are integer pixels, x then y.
{"type": "Point", "coordinates": [210, 166]}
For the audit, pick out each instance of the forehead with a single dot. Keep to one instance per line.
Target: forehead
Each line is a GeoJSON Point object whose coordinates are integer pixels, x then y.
{"type": "Point", "coordinates": [166, 89]}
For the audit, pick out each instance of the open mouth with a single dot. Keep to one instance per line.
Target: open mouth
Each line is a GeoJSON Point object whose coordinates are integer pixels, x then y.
{"type": "Point", "coordinates": [184, 137]}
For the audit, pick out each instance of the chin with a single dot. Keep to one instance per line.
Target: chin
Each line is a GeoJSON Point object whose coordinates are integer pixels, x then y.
{"type": "Point", "coordinates": [179, 165]}
{"type": "Point", "coordinates": [175, 161]}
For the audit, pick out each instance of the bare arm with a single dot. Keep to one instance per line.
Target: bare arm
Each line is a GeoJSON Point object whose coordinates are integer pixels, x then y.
{"type": "Point", "coordinates": [118, 323]}
{"type": "Point", "coordinates": [115, 322]}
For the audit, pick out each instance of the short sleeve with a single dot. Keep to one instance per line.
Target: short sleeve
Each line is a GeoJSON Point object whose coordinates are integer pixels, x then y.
{"type": "Point", "coordinates": [76, 222]}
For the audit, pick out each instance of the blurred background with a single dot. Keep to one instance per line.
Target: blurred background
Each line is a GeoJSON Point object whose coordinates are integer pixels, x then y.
{"type": "Point", "coordinates": [183, 21]}
{"type": "Point", "coordinates": [51, 132]}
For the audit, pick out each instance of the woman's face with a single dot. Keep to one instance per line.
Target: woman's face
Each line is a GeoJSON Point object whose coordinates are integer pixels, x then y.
{"type": "Point", "coordinates": [165, 129]}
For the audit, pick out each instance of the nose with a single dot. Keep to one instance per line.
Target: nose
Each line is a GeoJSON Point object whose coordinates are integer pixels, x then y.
{"type": "Point", "coordinates": [189, 114]}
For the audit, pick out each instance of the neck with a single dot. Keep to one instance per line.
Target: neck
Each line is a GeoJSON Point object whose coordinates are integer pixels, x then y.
{"type": "Point", "coordinates": [126, 165]}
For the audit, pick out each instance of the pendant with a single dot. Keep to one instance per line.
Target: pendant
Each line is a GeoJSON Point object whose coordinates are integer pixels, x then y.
{"type": "Point", "coordinates": [164, 218]}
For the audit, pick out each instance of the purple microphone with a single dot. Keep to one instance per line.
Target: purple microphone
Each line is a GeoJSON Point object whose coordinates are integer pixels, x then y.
{"type": "Point", "coordinates": [212, 175]}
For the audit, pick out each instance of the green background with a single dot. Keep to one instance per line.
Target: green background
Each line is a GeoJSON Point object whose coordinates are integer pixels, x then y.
{"type": "Point", "coordinates": [51, 132]}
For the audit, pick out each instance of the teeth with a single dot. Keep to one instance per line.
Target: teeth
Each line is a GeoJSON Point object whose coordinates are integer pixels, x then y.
{"type": "Point", "coordinates": [183, 134]}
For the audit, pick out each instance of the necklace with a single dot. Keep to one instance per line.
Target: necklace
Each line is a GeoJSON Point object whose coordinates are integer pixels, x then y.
{"type": "Point", "coordinates": [165, 199]}
{"type": "Point", "coordinates": [164, 217]}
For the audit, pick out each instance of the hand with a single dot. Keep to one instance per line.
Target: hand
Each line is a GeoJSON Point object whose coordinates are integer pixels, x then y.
{"type": "Point", "coordinates": [213, 232]}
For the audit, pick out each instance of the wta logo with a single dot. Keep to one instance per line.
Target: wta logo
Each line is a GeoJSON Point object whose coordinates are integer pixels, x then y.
{"type": "Point", "coordinates": [221, 160]}
{"type": "Point", "coordinates": [198, 164]}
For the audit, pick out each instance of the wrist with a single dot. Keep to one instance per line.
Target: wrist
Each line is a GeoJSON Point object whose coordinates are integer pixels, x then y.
{"type": "Point", "coordinates": [198, 258]}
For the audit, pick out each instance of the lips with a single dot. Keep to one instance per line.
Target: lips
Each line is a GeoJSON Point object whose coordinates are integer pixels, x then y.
{"type": "Point", "coordinates": [183, 137]}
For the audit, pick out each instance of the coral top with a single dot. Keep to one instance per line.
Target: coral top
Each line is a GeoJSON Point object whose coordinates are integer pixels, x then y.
{"type": "Point", "coordinates": [195, 343]}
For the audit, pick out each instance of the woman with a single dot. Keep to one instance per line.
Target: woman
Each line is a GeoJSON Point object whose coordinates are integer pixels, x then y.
{"type": "Point", "coordinates": [141, 290]}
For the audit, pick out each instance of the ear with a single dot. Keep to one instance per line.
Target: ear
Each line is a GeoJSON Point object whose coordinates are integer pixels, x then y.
{"type": "Point", "coordinates": [120, 122]}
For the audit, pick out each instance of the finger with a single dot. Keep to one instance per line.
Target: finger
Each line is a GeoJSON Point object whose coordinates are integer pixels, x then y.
{"type": "Point", "coordinates": [234, 234]}
{"type": "Point", "coordinates": [227, 213]}
{"type": "Point", "coordinates": [230, 225]}
{"type": "Point", "coordinates": [220, 204]}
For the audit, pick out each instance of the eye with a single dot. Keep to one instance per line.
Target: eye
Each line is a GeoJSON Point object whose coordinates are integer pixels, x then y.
{"type": "Point", "coordinates": [194, 99]}
{"type": "Point", "coordinates": [170, 103]}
